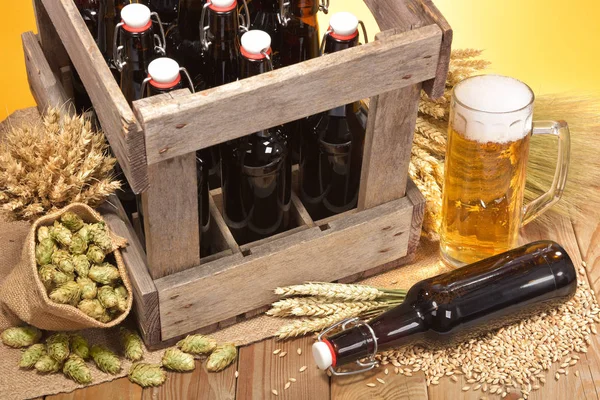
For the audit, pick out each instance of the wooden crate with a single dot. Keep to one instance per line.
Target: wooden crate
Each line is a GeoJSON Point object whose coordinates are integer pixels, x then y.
{"type": "Point", "coordinates": [175, 291]}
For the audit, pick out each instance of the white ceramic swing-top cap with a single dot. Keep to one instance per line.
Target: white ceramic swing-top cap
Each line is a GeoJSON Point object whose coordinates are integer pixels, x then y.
{"type": "Point", "coordinates": [163, 70]}
{"type": "Point", "coordinates": [322, 355]}
{"type": "Point", "coordinates": [135, 15]}
{"type": "Point", "coordinates": [255, 41]}
{"type": "Point", "coordinates": [222, 3]}
{"type": "Point", "coordinates": [343, 23]}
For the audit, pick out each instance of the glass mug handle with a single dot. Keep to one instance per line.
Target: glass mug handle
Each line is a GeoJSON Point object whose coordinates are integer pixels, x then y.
{"type": "Point", "coordinates": [538, 206]}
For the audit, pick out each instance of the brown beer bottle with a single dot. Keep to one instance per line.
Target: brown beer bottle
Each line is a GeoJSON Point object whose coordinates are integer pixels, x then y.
{"type": "Point", "coordinates": [167, 9]}
{"type": "Point", "coordinates": [254, 168]}
{"type": "Point", "coordinates": [164, 76]}
{"type": "Point", "coordinates": [138, 46]}
{"type": "Point", "coordinates": [183, 41]}
{"type": "Point", "coordinates": [332, 142]}
{"type": "Point", "coordinates": [457, 305]}
{"type": "Point", "coordinates": [219, 36]}
{"type": "Point", "coordinates": [265, 16]}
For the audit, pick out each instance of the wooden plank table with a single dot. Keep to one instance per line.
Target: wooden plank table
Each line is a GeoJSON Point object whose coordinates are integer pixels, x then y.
{"type": "Point", "coordinates": [260, 371]}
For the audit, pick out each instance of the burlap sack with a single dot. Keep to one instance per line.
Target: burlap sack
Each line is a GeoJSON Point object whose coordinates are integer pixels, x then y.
{"type": "Point", "coordinates": [23, 293]}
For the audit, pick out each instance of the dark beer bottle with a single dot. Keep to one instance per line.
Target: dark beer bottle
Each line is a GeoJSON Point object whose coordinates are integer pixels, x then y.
{"type": "Point", "coordinates": [266, 16]}
{"type": "Point", "coordinates": [255, 169]}
{"type": "Point", "coordinates": [333, 141]}
{"type": "Point", "coordinates": [167, 9]}
{"type": "Point", "coordinates": [164, 76]}
{"type": "Point", "coordinates": [137, 48]}
{"type": "Point", "coordinates": [183, 41]}
{"type": "Point", "coordinates": [219, 35]}
{"type": "Point", "coordinates": [455, 306]}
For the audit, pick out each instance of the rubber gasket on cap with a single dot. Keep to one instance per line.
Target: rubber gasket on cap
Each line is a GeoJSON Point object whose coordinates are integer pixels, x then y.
{"type": "Point", "coordinates": [168, 85]}
{"type": "Point", "coordinates": [216, 8]}
{"type": "Point", "coordinates": [136, 30]}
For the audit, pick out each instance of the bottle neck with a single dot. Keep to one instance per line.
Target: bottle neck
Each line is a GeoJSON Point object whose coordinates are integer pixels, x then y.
{"type": "Point", "coordinates": [304, 8]}
{"type": "Point", "coordinates": [397, 327]}
{"type": "Point", "coordinates": [188, 19]}
{"type": "Point", "coordinates": [224, 26]}
{"type": "Point", "coordinates": [269, 6]}
{"type": "Point", "coordinates": [251, 67]}
{"type": "Point", "coordinates": [333, 44]}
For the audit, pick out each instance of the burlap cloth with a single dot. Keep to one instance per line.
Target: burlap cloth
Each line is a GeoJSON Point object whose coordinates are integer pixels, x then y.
{"type": "Point", "coordinates": [22, 384]}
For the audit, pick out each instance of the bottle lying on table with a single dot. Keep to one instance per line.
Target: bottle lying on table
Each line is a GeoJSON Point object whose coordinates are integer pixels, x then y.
{"type": "Point", "coordinates": [457, 305]}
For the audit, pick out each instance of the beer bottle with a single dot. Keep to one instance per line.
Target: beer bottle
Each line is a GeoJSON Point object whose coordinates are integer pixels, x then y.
{"type": "Point", "coordinates": [183, 41]}
{"type": "Point", "coordinates": [138, 46]}
{"type": "Point", "coordinates": [167, 9]}
{"type": "Point", "coordinates": [254, 168]}
{"type": "Point", "coordinates": [164, 76]}
{"type": "Point", "coordinates": [219, 36]}
{"type": "Point", "coordinates": [333, 141]}
{"type": "Point", "coordinates": [457, 305]}
{"type": "Point", "coordinates": [266, 16]}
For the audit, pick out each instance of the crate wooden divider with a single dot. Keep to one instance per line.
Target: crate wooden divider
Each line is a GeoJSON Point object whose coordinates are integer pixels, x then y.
{"type": "Point", "coordinates": [176, 292]}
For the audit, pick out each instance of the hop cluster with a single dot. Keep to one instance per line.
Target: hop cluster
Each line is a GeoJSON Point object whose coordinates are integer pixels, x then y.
{"type": "Point", "coordinates": [47, 166]}
{"type": "Point", "coordinates": [71, 265]}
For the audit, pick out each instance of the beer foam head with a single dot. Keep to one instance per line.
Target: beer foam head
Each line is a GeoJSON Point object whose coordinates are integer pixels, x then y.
{"type": "Point", "coordinates": [493, 108]}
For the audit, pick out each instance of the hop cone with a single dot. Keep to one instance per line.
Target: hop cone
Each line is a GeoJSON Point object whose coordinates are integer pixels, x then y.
{"type": "Point", "coordinates": [60, 278]}
{"type": "Point", "coordinates": [100, 237]}
{"type": "Point", "coordinates": [76, 369]}
{"type": "Point", "coordinates": [43, 232]}
{"type": "Point", "coordinates": [32, 355]}
{"type": "Point", "coordinates": [176, 360]}
{"type": "Point", "coordinates": [104, 274]}
{"type": "Point", "coordinates": [122, 298]}
{"type": "Point", "coordinates": [61, 234]}
{"type": "Point", "coordinates": [107, 296]}
{"type": "Point", "coordinates": [57, 346]}
{"type": "Point", "coordinates": [79, 346]}
{"type": "Point", "coordinates": [82, 265]}
{"type": "Point", "coordinates": [94, 309]}
{"type": "Point", "coordinates": [44, 251]}
{"type": "Point", "coordinates": [46, 273]}
{"type": "Point", "coordinates": [105, 360]}
{"type": "Point", "coordinates": [47, 364]}
{"type": "Point", "coordinates": [84, 233]}
{"type": "Point", "coordinates": [22, 336]}
{"type": "Point", "coordinates": [221, 358]}
{"type": "Point", "coordinates": [63, 260]}
{"type": "Point", "coordinates": [147, 375]}
{"type": "Point", "coordinates": [71, 221]}
{"type": "Point", "coordinates": [69, 293]}
{"type": "Point", "coordinates": [197, 344]}
{"type": "Point", "coordinates": [78, 245]}
{"type": "Point", "coordinates": [88, 287]}
{"type": "Point", "coordinates": [133, 347]}
{"type": "Point", "coordinates": [95, 254]}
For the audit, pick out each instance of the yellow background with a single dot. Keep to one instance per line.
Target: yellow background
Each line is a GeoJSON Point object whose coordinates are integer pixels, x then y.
{"type": "Point", "coordinates": [553, 45]}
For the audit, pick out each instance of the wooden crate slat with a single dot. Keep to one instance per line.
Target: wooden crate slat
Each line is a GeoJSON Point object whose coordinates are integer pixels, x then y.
{"type": "Point", "coordinates": [145, 295]}
{"type": "Point", "coordinates": [52, 46]}
{"type": "Point", "coordinates": [216, 292]}
{"type": "Point", "coordinates": [119, 124]}
{"type": "Point", "coordinates": [407, 15]}
{"type": "Point", "coordinates": [214, 116]}
{"type": "Point", "coordinates": [45, 87]}
{"type": "Point", "coordinates": [170, 213]}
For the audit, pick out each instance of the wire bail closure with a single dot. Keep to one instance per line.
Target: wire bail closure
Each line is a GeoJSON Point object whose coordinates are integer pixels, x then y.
{"type": "Point", "coordinates": [181, 69]}
{"type": "Point", "coordinates": [330, 31]}
{"type": "Point", "coordinates": [283, 15]}
{"type": "Point", "coordinates": [160, 43]}
{"type": "Point", "coordinates": [205, 26]}
{"type": "Point", "coordinates": [324, 6]}
{"type": "Point", "coordinates": [370, 361]}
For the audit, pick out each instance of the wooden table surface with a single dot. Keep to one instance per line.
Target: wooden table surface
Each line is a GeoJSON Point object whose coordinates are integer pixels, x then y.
{"type": "Point", "coordinates": [261, 372]}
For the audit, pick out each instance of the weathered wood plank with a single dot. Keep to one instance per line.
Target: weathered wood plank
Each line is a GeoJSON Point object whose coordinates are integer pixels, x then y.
{"type": "Point", "coordinates": [219, 291]}
{"type": "Point", "coordinates": [211, 117]}
{"type": "Point", "coordinates": [52, 46]}
{"type": "Point", "coordinates": [354, 387]}
{"type": "Point", "coordinates": [45, 87]}
{"type": "Point", "coordinates": [118, 122]}
{"type": "Point", "coordinates": [120, 389]}
{"type": "Point", "coordinates": [145, 295]}
{"type": "Point", "coordinates": [261, 371]}
{"type": "Point", "coordinates": [170, 209]}
{"type": "Point", "coordinates": [407, 15]}
{"type": "Point", "coordinates": [225, 236]}
{"type": "Point", "coordinates": [388, 143]}
{"type": "Point", "coordinates": [196, 385]}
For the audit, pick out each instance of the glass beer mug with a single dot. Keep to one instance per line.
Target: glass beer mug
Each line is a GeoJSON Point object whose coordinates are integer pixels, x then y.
{"type": "Point", "coordinates": [486, 162]}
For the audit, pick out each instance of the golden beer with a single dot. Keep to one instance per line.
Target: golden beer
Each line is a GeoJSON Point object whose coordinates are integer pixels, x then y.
{"type": "Point", "coordinates": [485, 169]}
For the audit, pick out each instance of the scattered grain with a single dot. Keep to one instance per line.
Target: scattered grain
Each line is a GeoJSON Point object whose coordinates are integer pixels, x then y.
{"type": "Point", "coordinates": [275, 392]}
{"type": "Point", "coordinates": [380, 381]}
{"type": "Point", "coordinates": [303, 368]}
{"type": "Point", "coordinates": [299, 351]}
{"type": "Point", "coordinates": [371, 385]}
{"type": "Point", "coordinates": [577, 373]}
{"type": "Point", "coordinates": [292, 379]}
{"type": "Point", "coordinates": [283, 354]}
{"type": "Point", "coordinates": [396, 370]}
{"type": "Point", "coordinates": [287, 386]}
{"type": "Point", "coordinates": [237, 374]}
{"type": "Point", "coordinates": [386, 371]}
{"type": "Point", "coordinates": [277, 351]}
{"type": "Point", "coordinates": [465, 388]}
{"type": "Point", "coordinates": [454, 378]}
